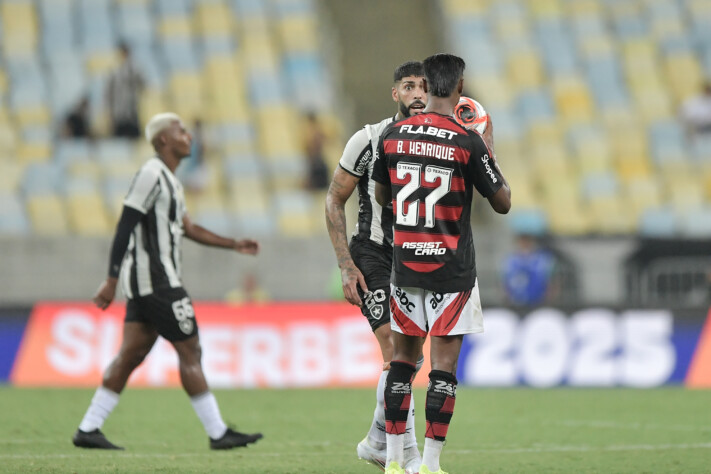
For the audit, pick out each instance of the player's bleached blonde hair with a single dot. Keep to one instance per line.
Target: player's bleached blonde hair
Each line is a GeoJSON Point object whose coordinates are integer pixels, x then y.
{"type": "Point", "coordinates": [158, 123]}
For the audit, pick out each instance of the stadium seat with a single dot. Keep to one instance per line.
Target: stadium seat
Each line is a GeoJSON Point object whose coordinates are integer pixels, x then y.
{"type": "Point", "coordinates": [696, 223]}
{"type": "Point", "coordinates": [13, 220]}
{"type": "Point", "coordinates": [659, 222]}
{"type": "Point", "coordinates": [47, 215]}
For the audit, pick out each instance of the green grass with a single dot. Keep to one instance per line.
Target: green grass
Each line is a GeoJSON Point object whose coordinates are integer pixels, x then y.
{"type": "Point", "coordinates": [315, 431]}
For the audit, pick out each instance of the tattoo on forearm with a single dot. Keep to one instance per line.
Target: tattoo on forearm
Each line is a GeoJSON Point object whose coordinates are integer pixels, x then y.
{"type": "Point", "coordinates": [336, 224]}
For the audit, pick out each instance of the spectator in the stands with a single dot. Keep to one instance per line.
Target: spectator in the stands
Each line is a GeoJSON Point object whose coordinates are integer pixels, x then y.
{"type": "Point", "coordinates": [123, 92]}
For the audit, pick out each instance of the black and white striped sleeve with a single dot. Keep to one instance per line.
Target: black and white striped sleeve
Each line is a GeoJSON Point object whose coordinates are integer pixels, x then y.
{"type": "Point", "coordinates": [144, 189]}
{"type": "Point", "coordinates": [358, 154]}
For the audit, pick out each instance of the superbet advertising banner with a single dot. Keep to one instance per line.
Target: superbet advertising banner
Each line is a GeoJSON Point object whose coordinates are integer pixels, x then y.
{"type": "Point", "coordinates": [331, 344]}
{"type": "Point", "coordinates": [276, 345]}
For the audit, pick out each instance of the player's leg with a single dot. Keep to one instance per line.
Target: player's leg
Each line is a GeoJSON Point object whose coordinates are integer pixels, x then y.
{"type": "Point", "coordinates": [409, 330]}
{"type": "Point", "coordinates": [441, 395]}
{"type": "Point", "coordinates": [138, 339]}
{"type": "Point", "coordinates": [398, 395]}
{"type": "Point", "coordinates": [202, 399]}
{"type": "Point", "coordinates": [450, 316]}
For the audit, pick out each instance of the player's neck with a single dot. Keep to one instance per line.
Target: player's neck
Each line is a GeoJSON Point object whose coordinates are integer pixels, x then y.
{"type": "Point", "coordinates": [170, 161]}
{"type": "Point", "coordinates": [440, 105]}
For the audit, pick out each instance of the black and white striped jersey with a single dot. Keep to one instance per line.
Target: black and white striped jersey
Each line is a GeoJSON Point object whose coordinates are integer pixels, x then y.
{"type": "Point", "coordinates": [374, 222]}
{"type": "Point", "coordinates": [152, 261]}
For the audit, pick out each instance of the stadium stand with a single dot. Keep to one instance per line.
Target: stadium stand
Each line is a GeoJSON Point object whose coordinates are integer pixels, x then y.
{"type": "Point", "coordinates": [584, 95]}
{"type": "Point", "coordinates": [590, 90]}
{"type": "Point", "coordinates": [233, 64]}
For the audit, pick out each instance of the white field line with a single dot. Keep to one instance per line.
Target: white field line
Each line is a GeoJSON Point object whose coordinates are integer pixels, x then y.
{"type": "Point", "coordinates": [627, 426]}
{"type": "Point", "coordinates": [512, 450]}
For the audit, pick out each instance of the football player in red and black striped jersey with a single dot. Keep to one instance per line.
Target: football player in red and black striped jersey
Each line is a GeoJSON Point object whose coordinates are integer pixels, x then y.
{"type": "Point", "coordinates": [428, 167]}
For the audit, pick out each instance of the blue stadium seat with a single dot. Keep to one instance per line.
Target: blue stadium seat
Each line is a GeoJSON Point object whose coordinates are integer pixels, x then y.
{"type": "Point", "coordinates": [528, 221]}
{"type": "Point", "coordinates": [696, 223]}
{"type": "Point", "coordinates": [180, 54]}
{"type": "Point", "coordinates": [535, 105]}
{"type": "Point", "coordinates": [173, 7]}
{"type": "Point", "coordinates": [13, 218]}
{"type": "Point", "coordinates": [660, 222]}
{"type": "Point", "coordinates": [668, 143]}
{"type": "Point", "coordinates": [72, 151]}
{"type": "Point", "coordinates": [42, 179]}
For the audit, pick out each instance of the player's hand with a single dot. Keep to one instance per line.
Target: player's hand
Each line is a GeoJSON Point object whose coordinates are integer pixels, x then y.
{"type": "Point", "coordinates": [351, 278]}
{"type": "Point", "coordinates": [106, 293]}
{"type": "Point", "coordinates": [246, 246]}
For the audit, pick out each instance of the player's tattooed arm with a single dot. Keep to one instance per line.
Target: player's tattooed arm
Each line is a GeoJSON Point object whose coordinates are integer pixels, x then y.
{"type": "Point", "coordinates": [341, 188]}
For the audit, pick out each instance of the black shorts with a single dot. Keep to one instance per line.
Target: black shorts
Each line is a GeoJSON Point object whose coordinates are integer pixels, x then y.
{"type": "Point", "coordinates": [169, 311]}
{"type": "Point", "coordinates": [375, 263]}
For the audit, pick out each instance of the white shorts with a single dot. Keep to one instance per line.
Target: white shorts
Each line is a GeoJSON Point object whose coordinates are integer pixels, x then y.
{"type": "Point", "coordinates": [416, 312]}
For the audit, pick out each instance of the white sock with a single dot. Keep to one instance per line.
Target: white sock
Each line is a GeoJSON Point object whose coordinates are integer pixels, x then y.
{"type": "Point", "coordinates": [395, 449]}
{"type": "Point", "coordinates": [205, 405]}
{"type": "Point", "coordinates": [410, 438]}
{"type": "Point", "coordinates": [102, 404]}
{"type": "Point", "coordinates": [376, 435]}
{"type": "Point", "coordinates": [430, 455]}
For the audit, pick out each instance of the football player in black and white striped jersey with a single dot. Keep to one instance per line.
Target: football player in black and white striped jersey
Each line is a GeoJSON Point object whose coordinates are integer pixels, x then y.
{"type": "Point", "coordinates": [367, 262]}
{"type": "Point", "coordinates": [145, 256]}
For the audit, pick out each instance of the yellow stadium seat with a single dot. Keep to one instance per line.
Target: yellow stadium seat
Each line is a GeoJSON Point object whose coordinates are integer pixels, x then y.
{"type": "Point", "coordinates": [299, 33]}
{"type": "Point", "coordinates": [19, 28]}
{"type": "Point", "coordinates": [494, 90]}
{"type": "Point", "coordinates": [608, 215]}
{"type": "Point", "coordinates": [10, 175]}
{"type": "Point", "coordinates": [686, 192]}
{"type": "Point", "coordinates": [546, 8]}
{"type": "Point", "coordinates": [152, 101]}
{"type": "Point", "coordinates": [175, 26]}
{"type": "Point", "coordinates": [186, 91]}
{"type": "Point", "coordinates": [213, 19]}
{"type": "Point", "coordinates": [87, 215]}
{"type": "Point", "coordinates": [36, 115]}
{"type": "Point", "coordinates": [653, 104]}
{"type": "Point", "coordinates": [276, 128]}
{"type": "Point", "coordinates": [568, 218]}
{"type": "Point", "coordinates": [644, 193]}
{"type": "Point", "coordinates": [598, 46]}
{"type": "Point", "coordinates": [525, 69]}
{"type": "Point", "coordinates": [259, 53]}
{"type": "Point", "coordinates": [573, 99]}
{"type": "Point", "coordinates": [513, 29]}
{"type": "Point", "coordinates": [685, 75]}
{"type": "Point", "coordinates": [664, 27]}
{"type": "Point", "coordinates": [47, 215]}
{"type": "Point", "coordinates": [88, 169]}
{"type": "Point", "coordinates": [296, 224]}
{"type": "Point", "coordinates": [584, 8]}
{"type": "Point", "coordinates": [456, 8]}
{"type": "Point", "coordinates": [8, 140]}
{"type": "Point", "coordinates": [34, 152]}
{"type": "Point", "coordinates": [100, 64]}
{"type": "Point", "coordinates": [248, 195]}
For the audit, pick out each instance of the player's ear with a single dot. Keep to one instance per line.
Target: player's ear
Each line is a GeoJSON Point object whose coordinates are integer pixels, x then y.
{"type": "Point", "coordinates": [460, 87]}
{"type": "Point", "coordinates": [394, 94]}
{"type": "Point", "coordinates": [424, 85]}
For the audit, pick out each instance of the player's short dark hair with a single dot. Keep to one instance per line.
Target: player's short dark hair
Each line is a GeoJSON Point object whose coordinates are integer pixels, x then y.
{"type": "Point", "coordinates": [410, 68]}
{"type": "Point", "coordinates": [443, 72]}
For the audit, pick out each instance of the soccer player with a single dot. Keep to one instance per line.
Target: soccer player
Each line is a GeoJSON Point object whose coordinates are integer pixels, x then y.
{"type": "Point", "coordinates": [147, 246]}
{"type": "Point", "coordinates": [366, 264]}
{"type": "Point", "coordinates": [429, 165]}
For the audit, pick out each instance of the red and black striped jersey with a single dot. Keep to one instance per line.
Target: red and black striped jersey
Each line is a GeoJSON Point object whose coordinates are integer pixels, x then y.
{"type": "Point", "coordinates": [433, 165]}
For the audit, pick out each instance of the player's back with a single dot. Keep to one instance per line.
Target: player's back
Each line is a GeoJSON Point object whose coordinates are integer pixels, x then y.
{"type": "Point", "coordinates": [433, 164]}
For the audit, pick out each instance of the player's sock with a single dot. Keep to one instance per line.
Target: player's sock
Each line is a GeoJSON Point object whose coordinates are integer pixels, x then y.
{"type": "Point", "coordinates": [102, 404]}
{"type": "Point", "coordinates": [439, 407]}
{"type": "Point", "coordinates": [398, 392]}
{"type": "Point", "coordinates": [376, 435]}
{"type": "Point", "coordinates": [205, 405]}
{"type": "Point", "coordinates": [410, 436]}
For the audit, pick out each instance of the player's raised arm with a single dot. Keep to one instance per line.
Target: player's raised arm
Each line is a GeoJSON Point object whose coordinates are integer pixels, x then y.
{"type": "Point", "coordinates": [204, 236]}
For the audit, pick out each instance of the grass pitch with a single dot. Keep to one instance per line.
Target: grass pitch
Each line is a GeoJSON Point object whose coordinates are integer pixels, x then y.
{"type": "Point", "coordinates": [316, 431]}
